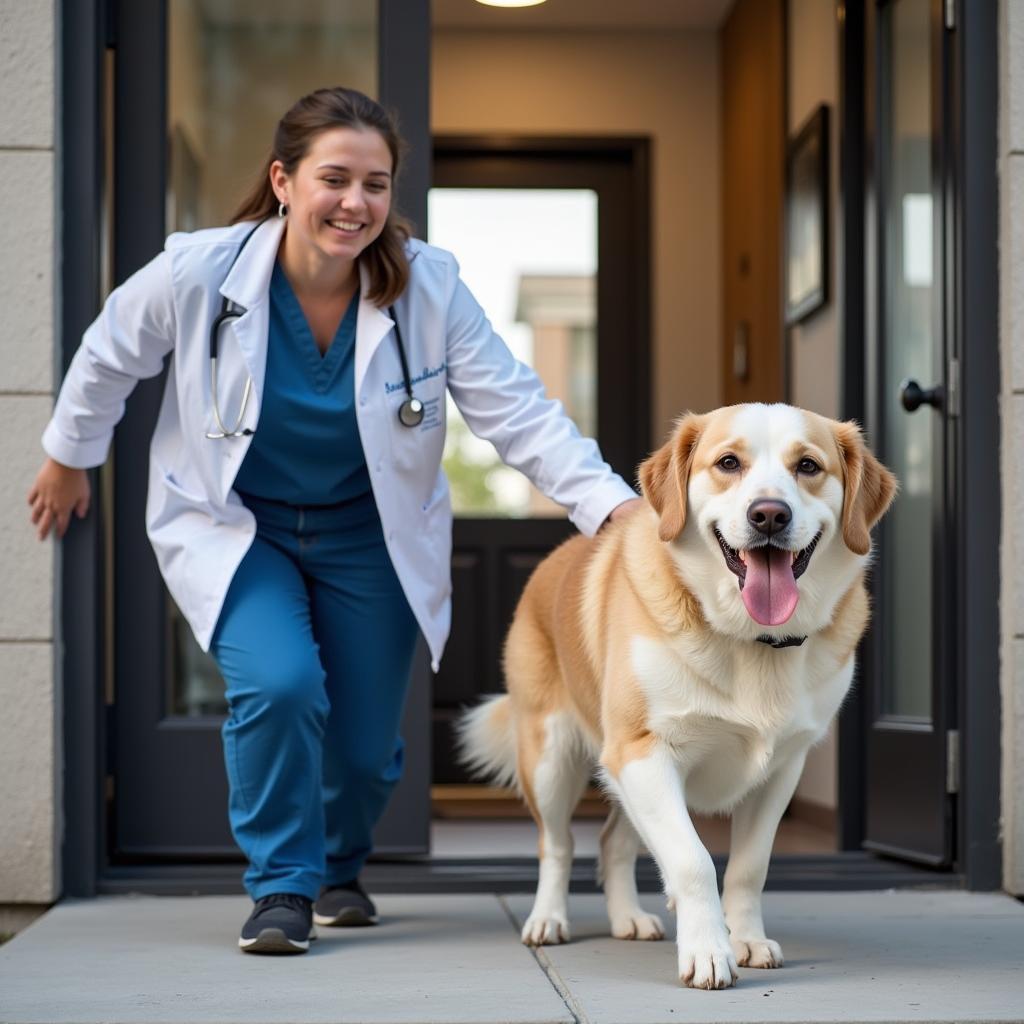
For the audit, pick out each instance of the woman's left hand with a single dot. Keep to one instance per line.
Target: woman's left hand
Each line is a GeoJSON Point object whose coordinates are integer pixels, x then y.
{"type": "Point", "coordinates": [625, 509]}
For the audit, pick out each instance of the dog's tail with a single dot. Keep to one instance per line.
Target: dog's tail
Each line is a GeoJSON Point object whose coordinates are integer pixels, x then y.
{"type": "Point", "coordinates": [485, 739]}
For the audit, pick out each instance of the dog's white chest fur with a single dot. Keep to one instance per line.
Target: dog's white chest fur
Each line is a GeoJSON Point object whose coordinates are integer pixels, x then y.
{"type": "Point", "coordinates": [730, 714]}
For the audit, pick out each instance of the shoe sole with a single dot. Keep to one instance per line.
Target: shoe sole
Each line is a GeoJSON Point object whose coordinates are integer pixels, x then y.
{"type": "Point", "coordinates": [275, 942]}
{"type": "Point", "coordinates": [350, 917]}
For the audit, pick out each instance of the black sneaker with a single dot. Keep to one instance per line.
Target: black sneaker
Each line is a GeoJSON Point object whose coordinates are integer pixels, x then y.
{"type": "Point", "coordinates": [279, 923]}
{"type": "Point", "coordinates": [344, 906]}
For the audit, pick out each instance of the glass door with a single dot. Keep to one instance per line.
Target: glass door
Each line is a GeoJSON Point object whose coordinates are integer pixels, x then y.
{"type": "Point", "coordinates": [199, 87]}
{"type": "Point", "coordinates": [909, 811]}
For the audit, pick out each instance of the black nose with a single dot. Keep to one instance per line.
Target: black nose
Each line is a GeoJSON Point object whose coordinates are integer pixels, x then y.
{"type": "Point", "coordinates": [769, 516]}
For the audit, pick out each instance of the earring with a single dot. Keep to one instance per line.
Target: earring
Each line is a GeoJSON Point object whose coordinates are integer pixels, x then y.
{"type": "Point", "coordinates": [282, 210]}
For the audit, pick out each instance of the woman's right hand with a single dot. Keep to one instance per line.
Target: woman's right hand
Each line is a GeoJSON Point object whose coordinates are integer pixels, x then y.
{"type": "Point", "coordinates": [58, 491]}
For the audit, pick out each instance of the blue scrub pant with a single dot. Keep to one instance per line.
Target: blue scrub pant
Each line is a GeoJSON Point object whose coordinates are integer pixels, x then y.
{"type": "Point", "coordinates": [315, 643]}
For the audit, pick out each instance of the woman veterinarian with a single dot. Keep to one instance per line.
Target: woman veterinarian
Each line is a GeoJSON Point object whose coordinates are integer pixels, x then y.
{"type": "Point", "coordinates": [296, 505]}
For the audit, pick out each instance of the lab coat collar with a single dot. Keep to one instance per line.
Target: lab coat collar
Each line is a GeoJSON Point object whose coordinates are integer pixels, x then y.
{"type": "Point", "coordinates": [248, 281]}
{"type": "Point", "coordinates": [371, 328]}
{"type": "Point", "coordinates": [247, 285]}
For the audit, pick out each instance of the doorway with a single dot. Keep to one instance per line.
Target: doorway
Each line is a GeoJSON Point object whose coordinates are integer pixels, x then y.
{"type": "Point", "coordinates": [677, 72]}
{"type": "Point", "coordinates": [560, 268]}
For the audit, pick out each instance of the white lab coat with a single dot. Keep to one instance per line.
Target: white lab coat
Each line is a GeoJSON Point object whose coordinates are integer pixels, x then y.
{"type": "Point", "coordinates": [198, 526]}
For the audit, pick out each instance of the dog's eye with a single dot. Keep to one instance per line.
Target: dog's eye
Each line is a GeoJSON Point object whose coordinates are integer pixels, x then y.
{"type": "Point", "coordinates": [729, 463]}
{"type": "Point", "coordinates": [808, 467]}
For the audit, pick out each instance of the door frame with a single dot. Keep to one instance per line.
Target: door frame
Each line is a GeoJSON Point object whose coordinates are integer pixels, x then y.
{"type": "Point", "coordinates": [83, 657]}
{"type": "Point", "coordinates": [976, 504]}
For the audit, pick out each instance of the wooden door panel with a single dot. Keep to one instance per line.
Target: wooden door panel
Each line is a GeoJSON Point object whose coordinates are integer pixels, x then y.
{"type": "Point", "coordinates": [753, 161]}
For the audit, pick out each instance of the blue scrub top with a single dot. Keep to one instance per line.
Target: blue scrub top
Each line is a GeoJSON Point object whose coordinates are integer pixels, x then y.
{"type": "Point", "coordinates": [306, 449]}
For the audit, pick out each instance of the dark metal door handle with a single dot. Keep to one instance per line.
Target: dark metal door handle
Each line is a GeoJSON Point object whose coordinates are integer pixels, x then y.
{"type": "Point", "coordinates": [913, 396]}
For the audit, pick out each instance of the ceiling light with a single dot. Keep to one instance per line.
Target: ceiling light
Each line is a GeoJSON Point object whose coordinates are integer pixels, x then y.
{"type": "Point", "coordinates": [510, 3]}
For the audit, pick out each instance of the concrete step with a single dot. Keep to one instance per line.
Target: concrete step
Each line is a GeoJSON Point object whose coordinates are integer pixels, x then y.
{"type": "Point", "coordinates": [851, 957]}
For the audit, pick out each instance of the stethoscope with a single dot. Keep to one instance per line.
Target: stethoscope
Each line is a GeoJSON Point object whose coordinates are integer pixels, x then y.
{"type": "Point", "coordinates": [410, 412]}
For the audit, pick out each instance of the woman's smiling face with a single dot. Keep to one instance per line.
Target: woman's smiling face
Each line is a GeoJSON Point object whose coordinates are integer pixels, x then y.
{"type": "Point", "coordinates": [340, 194]}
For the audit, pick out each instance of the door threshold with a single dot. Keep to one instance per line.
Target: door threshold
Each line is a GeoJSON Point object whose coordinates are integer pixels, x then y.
{"type": "Point", "coordinates": [835, 872]}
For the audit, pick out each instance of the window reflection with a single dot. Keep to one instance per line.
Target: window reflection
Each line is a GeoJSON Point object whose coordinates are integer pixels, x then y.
{"type": "Point", "coordinates": [909, 353]}
{"type": "Point", "coordinates": [538, 288]}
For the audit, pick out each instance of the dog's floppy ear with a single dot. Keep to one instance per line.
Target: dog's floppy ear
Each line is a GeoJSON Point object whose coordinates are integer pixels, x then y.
{"type": "Point", "coordinates": [868, 487]}
{"type": "Point", "coordinates": [665, 475]}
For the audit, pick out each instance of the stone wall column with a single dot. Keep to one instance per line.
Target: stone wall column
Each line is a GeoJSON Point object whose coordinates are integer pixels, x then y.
{"type": "Point", "coordinates": [1011, 329]}
{"type": "Point", "coordinates": [30, 737]}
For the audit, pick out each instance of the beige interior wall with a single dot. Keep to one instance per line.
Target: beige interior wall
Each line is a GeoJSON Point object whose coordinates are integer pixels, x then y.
{"type": "Point", "coordinates": [660, 84]}
{"type": "Point", "coordinates": [813, 78]}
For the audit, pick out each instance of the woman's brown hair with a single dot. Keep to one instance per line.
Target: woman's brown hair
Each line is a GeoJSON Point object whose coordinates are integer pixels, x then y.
{"type": "Point", "coordinates": [320, 111]}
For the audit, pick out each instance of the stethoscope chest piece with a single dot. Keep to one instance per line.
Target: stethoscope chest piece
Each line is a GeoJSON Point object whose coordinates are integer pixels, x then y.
{"type": "Point", "coordinates": [410, 412]}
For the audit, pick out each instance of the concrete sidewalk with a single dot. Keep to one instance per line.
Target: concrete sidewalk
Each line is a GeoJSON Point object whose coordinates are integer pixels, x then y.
{"type": "Point", "coordinates": [865, 956]}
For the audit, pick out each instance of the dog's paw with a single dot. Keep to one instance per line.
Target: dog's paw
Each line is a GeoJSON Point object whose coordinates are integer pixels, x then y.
{"type": "Point", "coordinates": [545, 930]}
{"type": "Point", "coordinates": [757, 953]}
{"type": "Point", "coordinates": [713, 966]}
{"type": "Point", "coordinates": [638, 925]}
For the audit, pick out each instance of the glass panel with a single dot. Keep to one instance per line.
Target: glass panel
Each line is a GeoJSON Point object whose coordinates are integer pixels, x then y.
{"type": "Point", "coordinates": [538, 288]}
{"type": "Point", "coordinates": [910, 344]}
{"type": "Point", "coordinates": [235, 66]}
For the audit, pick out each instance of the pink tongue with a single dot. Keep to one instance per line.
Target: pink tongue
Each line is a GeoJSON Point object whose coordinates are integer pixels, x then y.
{"type": "Point", "coordinates": [769, 590]}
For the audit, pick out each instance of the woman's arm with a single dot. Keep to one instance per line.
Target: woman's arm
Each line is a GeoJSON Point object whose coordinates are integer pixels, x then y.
{"type": "Point", "coordinates": [126, 343]}
{"type": "Point", "coordinates": [503, 400]}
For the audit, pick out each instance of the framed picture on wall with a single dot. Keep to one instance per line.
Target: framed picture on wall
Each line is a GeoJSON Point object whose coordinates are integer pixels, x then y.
{"type": "Point", "coordinates": [806, 212]}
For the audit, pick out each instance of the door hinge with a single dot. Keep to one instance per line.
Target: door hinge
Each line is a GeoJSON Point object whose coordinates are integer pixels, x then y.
{"type": "Point", "coordinates": [950, 14]}
{"type": "Point", "coordinates": [953, 761]}
{"type": "Point", "coordinates": [953, 388]}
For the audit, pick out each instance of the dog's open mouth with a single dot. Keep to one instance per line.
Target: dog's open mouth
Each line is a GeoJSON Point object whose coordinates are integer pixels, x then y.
{"type": "Point", "coordinates": [767, 578]}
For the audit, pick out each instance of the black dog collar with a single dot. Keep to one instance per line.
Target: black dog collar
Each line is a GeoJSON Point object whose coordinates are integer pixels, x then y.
{"type": "Point", "coordinates": [785, 641]}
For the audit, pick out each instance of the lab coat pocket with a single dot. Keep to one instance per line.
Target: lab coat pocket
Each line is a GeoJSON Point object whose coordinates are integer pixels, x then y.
{"type": "Point", "coordinates": [419, 449]}
{"type": "Point", "coordinates": [175, 517]}
{"type": "Point", "coordinates": [175, 485]}
{"type": "Point", "coordinates": [437, 524]}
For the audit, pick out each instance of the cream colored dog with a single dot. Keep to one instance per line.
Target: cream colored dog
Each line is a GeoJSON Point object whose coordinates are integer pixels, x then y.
{"type": "Point", "coordinates": [695, 651]}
